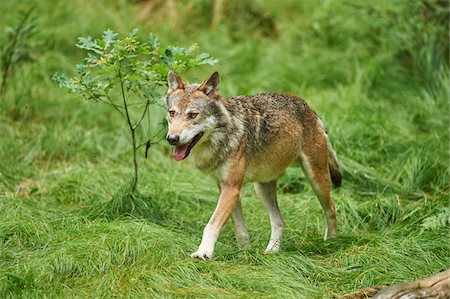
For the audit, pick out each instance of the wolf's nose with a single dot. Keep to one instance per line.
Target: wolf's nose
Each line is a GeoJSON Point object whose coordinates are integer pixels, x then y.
{"type": "Point", "coordinates": [173, 139]}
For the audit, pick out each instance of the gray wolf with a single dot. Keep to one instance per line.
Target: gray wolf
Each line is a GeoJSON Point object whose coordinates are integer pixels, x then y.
{"type": "Point", "coordinates": [249, 139]}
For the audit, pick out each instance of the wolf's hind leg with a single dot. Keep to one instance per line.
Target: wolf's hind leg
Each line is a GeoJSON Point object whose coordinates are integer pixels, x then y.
{"type": "Point", "coordinates": [239, 226]}
{"type": "Point", "coordinates": [267, 192]}
{"type": "Point", "coordinates": [315, 167]}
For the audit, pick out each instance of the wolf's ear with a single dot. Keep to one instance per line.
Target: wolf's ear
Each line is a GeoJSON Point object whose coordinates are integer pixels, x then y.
{"type": "Point", "coordinates": [174, 81]}
{"type": "Point", "coordinates": [211, 86]}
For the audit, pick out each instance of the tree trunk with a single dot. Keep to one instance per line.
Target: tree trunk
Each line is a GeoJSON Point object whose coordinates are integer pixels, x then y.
{"type": "Point", "coordinates": [436, 287]}
{"type": "Point", "coordinates": [216, 13]}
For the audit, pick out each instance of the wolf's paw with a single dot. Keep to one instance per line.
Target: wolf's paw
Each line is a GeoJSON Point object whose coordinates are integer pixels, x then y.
{"type": "Point", "coordinates": [202, 254]}
{"type": "Point", "coordinates": [271, 250]}
{"type": "Point", "coordinates": [330, 235]}
{"type": "Point", "coordinates": [272, 247]}
{"type": "Point", "coordinates": [244, 242]}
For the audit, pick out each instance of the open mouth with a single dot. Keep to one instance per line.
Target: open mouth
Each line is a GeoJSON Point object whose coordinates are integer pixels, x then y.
{"type": "Point", "coordinates": [180, 152]}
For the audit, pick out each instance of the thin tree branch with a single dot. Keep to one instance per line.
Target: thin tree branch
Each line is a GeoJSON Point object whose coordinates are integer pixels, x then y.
{"type": "Point", "coordinates": [151, 139]}
{"type": "Point", "coordinates": [147, 104]}
{"type": "Point", "coordinates": [115, 105]}
{"type": "Point", "coordinates": [109, 102]}
{"type": "Point", "coordinates": [98, 98]}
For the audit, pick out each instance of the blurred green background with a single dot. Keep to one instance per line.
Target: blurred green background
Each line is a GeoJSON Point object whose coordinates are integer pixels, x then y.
{"type": "Point", "coordinates": [376, 72]}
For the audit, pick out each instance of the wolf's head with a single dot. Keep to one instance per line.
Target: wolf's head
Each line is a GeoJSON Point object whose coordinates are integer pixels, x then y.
{"type": "Point", "coordinates": [191, 112]}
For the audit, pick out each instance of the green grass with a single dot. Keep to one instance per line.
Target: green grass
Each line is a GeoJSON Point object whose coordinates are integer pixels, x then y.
{"type": "Point", "coordinates": [378, 76]}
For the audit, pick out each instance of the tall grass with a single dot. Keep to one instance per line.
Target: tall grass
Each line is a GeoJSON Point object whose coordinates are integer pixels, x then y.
{"type": "Point", "coordinates": [376, 73]}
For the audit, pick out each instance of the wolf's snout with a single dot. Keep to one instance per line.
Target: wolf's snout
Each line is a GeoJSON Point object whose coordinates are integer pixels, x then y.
{"type": "Point", "coordinates": [173, 139]}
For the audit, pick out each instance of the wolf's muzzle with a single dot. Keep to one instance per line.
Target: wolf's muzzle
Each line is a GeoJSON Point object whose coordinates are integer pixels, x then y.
{"type": "Point", "coordinates": [173, 139]}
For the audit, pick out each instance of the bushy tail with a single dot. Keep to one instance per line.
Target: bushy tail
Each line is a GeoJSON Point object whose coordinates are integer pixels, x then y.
{"type": "Point", "coordinates": [333, 163]}
{"type": "Point", "coordinates": [335, 167]}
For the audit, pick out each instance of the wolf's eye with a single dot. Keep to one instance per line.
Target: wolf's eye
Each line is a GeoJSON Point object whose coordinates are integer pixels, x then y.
{"type": "Point", "coordinates": [171, 113]}
{"type": "Point", "coordinates": [192, 115]}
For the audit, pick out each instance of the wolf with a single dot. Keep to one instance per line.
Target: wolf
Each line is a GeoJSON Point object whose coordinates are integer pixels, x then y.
{"type": "Point", "coordinates": [244, 139]}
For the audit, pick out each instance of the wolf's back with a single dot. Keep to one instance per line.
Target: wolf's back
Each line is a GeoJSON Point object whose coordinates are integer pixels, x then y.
{"type": "Point", "coordinates": [265, 115]}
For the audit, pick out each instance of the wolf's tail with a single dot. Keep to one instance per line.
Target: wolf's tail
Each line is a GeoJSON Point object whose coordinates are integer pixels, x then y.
{"type": "Point", "coordinates": [335, 167]}
{"type": "Point", "coordinates": [333, 163]}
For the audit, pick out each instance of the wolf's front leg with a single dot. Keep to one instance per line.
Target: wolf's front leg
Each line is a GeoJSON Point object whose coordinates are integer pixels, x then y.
{"type": "Point", "coordinates": [229, 197]}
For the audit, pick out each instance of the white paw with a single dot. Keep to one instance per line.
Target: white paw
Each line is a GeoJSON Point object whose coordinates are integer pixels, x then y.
{"type": "Point", "coordinates": [206, 248]}
{"type": "Point", "coordinates": [202, 254]}
{"type": "Point", "coordinates": [273, 247]}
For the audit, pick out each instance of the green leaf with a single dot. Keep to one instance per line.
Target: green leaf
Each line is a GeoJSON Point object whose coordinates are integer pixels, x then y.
{"type": "Point", "coordinates": [91, 58]}
{"type": "Point", "coordinates": [168, 52]}
{"type": "Point", "coordinates": [61, 79]}
{"type": "Point", "coordinates": [109, 37]}
{"type": "Point", "coordinates": [204, 58]}
{"type": "Point", "coordinates": [65, 82]}
{"type": "Point", "coordinates": [210, 61]}
{"type": "Point", "coordinates": [154, 42]}
{"type": "Point", "coordinates": [133, 33]}
{"type": "Point", "coordinates": [81, 69]}
{"type": "Point", "coordinates": [89, 44]}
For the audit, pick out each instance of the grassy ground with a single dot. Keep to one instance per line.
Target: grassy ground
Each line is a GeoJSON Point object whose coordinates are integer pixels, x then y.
{"type": "Point", "coordinates": [377, 74]}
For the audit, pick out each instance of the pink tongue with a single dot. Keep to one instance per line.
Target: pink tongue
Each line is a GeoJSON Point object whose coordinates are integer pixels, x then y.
{"type": "Point", "coordinates": [179, 152]}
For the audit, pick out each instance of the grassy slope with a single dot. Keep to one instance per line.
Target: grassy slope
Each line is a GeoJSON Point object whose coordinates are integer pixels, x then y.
{"type": "Point", "coordinates": [375, 78]}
